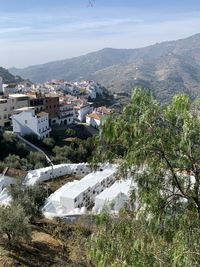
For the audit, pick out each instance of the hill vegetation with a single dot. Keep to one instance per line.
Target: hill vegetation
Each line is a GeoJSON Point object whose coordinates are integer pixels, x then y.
{"type": "Point", "coordinates": [8, 77]}
{"type": "Point", "coordinates": [159, 147]}
{"type": "Point", "coordinates": [165, 68]}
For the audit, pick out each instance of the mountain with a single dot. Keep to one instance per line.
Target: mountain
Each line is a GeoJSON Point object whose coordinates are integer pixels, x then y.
{"type": "Point", "coordinates": [8, 77]}
{"type": "Point", "coordinates": [165, 68]}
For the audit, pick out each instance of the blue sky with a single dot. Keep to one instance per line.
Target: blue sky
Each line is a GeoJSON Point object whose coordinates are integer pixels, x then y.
{"type": "Point", "coordinates": [38, 31]}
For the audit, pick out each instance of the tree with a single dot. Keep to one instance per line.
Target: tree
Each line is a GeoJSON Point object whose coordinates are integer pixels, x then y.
{"type": "Point", "coordinates": [163, 140]}
{"type": "Point", "coordinates": [35, 158]}
{"type": "Point", "coordinates": [160, 146]}
{"type": "Point", "coordinates": [30, 198]}
{"type": "Point", "coordinates": [14, 223]}
{"type": "Point", "coordinates": [49, 142]}
{"type": "Point", "coordinates": [70, 132]}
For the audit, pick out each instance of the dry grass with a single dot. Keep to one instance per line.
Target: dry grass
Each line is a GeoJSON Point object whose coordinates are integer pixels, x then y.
{"type": "Point", "coordinates": [43, 251]}
{"type": "Point", "coordinates": [46, 249]}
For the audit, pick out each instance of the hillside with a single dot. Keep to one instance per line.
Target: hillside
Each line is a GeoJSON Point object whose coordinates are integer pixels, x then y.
{"type": "Point", "coordinates": [166, 68]}
{"type": "Point", "coordinates": [8, 77]}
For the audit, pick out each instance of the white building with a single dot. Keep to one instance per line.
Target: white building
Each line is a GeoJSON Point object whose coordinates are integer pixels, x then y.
{"type": "Point", "coordinates": [5, 111]}
{"type": "Point", "coordinates": [115, 197]}
{"type": "Point", "coordinates": [79, 194]}
{"type": "Point", "coordinates": [10, 89]}
{"type": "Point", "coordinates": [82, 110]}
{"type": "Point", "coordinates": [18, 101]}
{"type": "Point", "coordinates": [67, 114]}
{"type": "Point", "coordinates": [94, 120]}
{"type": "Point", "coordinates": [40, 175]}
{"type": "Point", "coordinates": [8, 105]}
{"type": "Point", "coordinates": [26, 122]}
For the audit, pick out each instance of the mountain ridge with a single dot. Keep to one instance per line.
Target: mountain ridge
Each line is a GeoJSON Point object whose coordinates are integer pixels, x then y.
{"type": "Point", "coordinates": [8, 77]}
{"type": "Point", "coordinates": [165, 68]}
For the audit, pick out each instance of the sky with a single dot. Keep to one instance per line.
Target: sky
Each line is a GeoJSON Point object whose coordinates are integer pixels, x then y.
{"type": "Point", "coordinates": [39, 31]}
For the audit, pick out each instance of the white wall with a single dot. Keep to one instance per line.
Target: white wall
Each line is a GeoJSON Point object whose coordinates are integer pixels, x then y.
{"type": "Point", "coordinates": [93, 122]}
{"type": "Point", "coordinates": [81, 193]}
{"type": "Point", "coordinates": [44, 174]}
{"type": "Point", "coordinates": [26, 123]}
{"type": "Point", "coordinates": [6, 181]}
{"type": "Point", "coordinates": [5, 111]}
{"type": "Point", "coordinates": [83, 111]}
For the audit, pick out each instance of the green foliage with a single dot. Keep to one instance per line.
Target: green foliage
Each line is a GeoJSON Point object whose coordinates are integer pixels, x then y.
{"type": "Point", "coordinates": [82, 91]}
{"type": "Point", "coordinates": [35, 158]}
{"type": "Point", "coordinates": [15, 154]}
{"type": "Point", "coordinates": [77, 151]}
{"type": "Point", "coordinates": [164, 139]}
{"type": "Point", "coordinates": [30, 198]}
{"type": "Point", "coordinates": [14, 223]}
{"type": "Point", "coordinates": [159, 145]}
{"type": "Point", "coordinates": [70, 132]}
{"type": "Point", "coordinates": [10, 145]}
{"type": "Point", "coordinates": [159, 242]}
{"type": "Point", "coordinates": [49, 142]}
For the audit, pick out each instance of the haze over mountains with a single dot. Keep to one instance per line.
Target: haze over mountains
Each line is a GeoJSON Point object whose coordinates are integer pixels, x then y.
{"type": "Point", "coordinates": [165, 68]}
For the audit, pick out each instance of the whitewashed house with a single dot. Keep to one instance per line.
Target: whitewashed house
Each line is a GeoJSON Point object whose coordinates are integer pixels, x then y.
{"type": "Point", "coordinates": [79, 194]}
{"type": "Point", "coordinates": [25, 121]}
{"type": "Point", "coordinates": [94, 120]}
{"type": "Point", "coordinates": [67, 114]}
{"type": "Point", "coordinates": [81, 111]}
{"type": "Point", "coordinates": [115, 197]}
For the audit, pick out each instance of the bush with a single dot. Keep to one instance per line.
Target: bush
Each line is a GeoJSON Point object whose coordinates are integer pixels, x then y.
{"type": "Point", "coordinates": [30, 198]}
{"type": "Point", "coordinates": [49, 142]}
{"type": "Point", "coordinates": [14, 223]}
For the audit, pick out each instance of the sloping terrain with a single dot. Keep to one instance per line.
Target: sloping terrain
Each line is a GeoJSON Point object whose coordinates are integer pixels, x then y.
{"type": "Point", "coordinates": [166, 68]}
{"type": "Point", "coordinates": [8, 77]}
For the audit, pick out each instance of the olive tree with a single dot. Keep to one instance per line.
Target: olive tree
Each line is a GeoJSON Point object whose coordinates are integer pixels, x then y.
{"type": "Point", "coordinates": [14, 224]}
{"type": "Point", "coordinates": [30, 198]}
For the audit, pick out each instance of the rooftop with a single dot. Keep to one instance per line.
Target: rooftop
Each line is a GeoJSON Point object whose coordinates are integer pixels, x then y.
{"type": "Point", "coordinates": [110, 193]}
{"type": "Point", "coordinates": [17, 95]}
{"type": "Point", "coordinates": [73, 189]}
{"type": "Point", "coordinates": [95, 116]}
{"type": "Point", "coordinates": [42, 114]}
{"type": "Point", "coordinates": [24, 109]}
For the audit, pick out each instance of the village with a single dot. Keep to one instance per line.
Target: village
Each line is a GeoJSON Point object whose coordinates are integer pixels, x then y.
{"type": "Point", "coordinates": [37, 109]}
